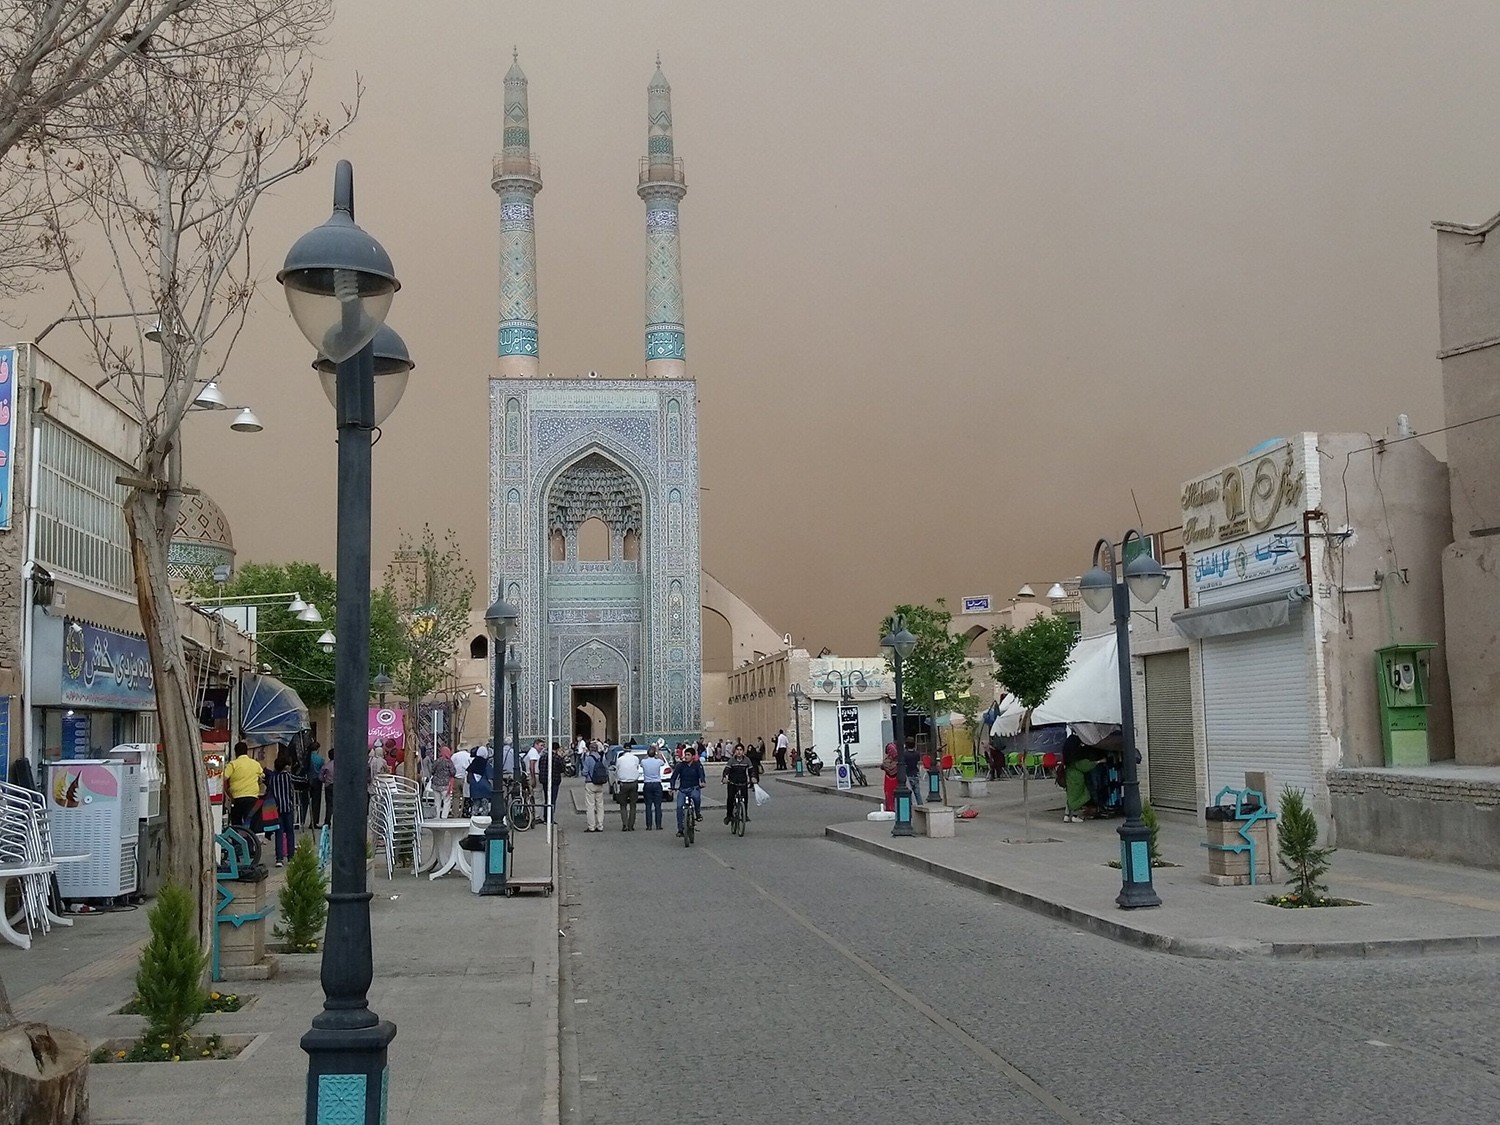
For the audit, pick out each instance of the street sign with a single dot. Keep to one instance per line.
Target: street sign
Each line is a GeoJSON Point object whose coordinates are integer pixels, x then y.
{"type": "Point", "coordinates": [842, 776]}
{"type": "Point", "coordinates": [848, 724]}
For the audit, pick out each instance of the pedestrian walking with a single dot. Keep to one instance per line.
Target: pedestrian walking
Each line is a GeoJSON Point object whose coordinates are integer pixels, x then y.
{"type": "Point", "coordinates": [628, 781]}
{"type": "Point", "coordinates": [279, 793]}
{"type": "Point", "coordinates": [442, 782]}
{"type": "Point", "coordinates": [651, 788]}
{"type": "Point", "coordinates": [315, 784]}
{"type": "Point", "coordinates": [595, 781]}
{"type": "Point", "coordinates": [913, 761]}
{"type": "Point", "coordinates": [781, 751]}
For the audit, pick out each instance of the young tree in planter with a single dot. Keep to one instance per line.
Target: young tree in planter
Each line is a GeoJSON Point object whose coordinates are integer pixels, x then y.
{"type": "Point", "coordinates": [431, 589]}
{"type": "Point", "coordinates": [164, 159]}
{"type": "Point", "coordinates": [1297, 844]}
{"type": "Point", "coordinates": [169, 982]}
{"type": "Point", "coordinates": [1029, 661]}
{"type": "Point", "coordinates": [303, 900]}
{"type": "Point", "coordinates": [938, 663]}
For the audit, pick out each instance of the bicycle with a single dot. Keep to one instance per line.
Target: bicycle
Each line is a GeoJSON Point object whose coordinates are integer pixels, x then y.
{"type": "Point", "coordinates": [856, 774]}
{"type": "Point", "coordinates": [689, 818]}
{"type": "Point", "coordinates": [739, 814]}
{"type": "Point", "coordinates": [519, 806]}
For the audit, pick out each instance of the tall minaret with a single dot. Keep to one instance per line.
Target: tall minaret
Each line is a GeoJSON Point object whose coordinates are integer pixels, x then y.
{"type": "Point", "coordinates": [517, 178]}
{"type": "Point", "coordinates": [662, 187]}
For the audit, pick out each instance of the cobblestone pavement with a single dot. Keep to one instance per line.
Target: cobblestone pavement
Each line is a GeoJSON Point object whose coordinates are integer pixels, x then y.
{"type": "Point", "coordinates": [783, 978]}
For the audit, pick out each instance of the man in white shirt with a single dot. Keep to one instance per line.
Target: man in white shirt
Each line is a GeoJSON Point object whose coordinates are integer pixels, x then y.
{"type": "Point", "coordinates": [533, 761]}
{"type": "Point", "coordinates": [461, 760]}
{"type": "Point", "coordinates": [579, 750]}
{"type": "Point", "coordinates": [781, 750]}
{"type": "Point", "coordinates": [628, 779]}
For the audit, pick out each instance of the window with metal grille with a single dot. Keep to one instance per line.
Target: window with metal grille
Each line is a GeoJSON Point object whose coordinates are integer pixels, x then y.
{"type": "Point", "coordinates": [80, 526]}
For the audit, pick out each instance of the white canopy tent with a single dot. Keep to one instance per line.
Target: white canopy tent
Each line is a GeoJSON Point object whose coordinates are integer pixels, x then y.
{"type": "Point", "coordinates": [1089, 692]}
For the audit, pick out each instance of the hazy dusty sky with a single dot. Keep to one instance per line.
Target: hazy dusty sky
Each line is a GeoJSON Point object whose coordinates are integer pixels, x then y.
{"type": "Point", "coordinates": [959, 276]}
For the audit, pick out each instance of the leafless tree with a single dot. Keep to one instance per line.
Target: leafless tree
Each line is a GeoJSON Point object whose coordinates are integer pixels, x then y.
{"type": "Point", "coordinates": [165, 157]}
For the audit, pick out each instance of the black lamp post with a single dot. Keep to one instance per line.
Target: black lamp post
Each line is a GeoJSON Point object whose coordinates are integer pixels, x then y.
{"type": "Point", "coordinates": [847, 681]}
{"type": "Point", "coordinates": [897, 646]}
{"type": "Point", "coordinates": [382, 684]}
{"type": "Point", "coordinates": [800, 702]}
{"type": "Point", "coordinates": [339, 283]}
{"type": "Point", "coordinates": [1100, 587]}
{"type": "Point", "coordinates": [515, 711]}
{"type": "Point", "coordinates": [500, 618]}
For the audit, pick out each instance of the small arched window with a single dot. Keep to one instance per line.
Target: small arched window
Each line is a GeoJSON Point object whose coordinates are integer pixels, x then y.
{"type": "Point", "coordinates": [479, 648]}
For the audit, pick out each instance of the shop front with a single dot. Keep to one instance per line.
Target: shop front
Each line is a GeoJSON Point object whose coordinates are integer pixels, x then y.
{"type": "Point", "coordinates": [92, 688]}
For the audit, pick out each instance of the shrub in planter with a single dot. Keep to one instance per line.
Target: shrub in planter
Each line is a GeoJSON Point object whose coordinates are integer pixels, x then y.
{"type": "Point", "coordinates": [1297, 844]}
{"type": "Point", "coordinates": [303, 901]}
{"type": "Point", "coordinates": [169, 982]}
{"type": "Point", "coordinates": [1153, 849]}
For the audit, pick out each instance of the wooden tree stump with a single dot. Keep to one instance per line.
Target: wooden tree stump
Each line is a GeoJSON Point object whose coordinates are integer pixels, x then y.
{"type": "Point", "coordinates": [44, 1075]}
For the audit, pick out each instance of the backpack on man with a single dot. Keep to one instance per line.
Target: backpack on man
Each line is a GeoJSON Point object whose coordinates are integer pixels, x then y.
{"type": "Point", "coordinates": [598, 773]}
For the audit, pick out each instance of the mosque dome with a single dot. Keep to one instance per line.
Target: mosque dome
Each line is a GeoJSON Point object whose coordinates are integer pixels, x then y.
{"type": "Point", "coordinates": [201, 542]}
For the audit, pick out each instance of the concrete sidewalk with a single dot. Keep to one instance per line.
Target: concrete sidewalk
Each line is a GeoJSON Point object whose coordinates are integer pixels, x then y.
{"type": "Point", "coordinates": [1411, 906]}
{"type": "Point", "coordinates": [471, 984]}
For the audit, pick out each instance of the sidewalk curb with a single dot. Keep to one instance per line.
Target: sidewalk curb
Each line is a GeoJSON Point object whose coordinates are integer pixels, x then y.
{"type": "Point", "coordinates": [873, 798]}
{"type": "Point", "coordinates": [1200, 948]}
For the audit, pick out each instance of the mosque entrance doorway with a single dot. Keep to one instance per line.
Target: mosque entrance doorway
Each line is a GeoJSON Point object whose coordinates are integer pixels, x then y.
{"type": "Point", "coordinates": [596, 712]}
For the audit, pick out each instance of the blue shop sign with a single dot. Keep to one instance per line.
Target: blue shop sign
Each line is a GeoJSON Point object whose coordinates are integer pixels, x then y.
{"type": "Point", "coordinates": [105, 669]}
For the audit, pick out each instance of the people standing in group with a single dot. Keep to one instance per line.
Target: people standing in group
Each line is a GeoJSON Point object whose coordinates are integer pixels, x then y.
{"type": "Point", "coordinates": [913, 761]}
{"type": "Point", "coordinates": [461, 760]}
{"type": "Point", "coordinates": [315, 784]}
{"type": "Point", "coordinates": [442, 781]}
{"type": "Point", "coordinates": [280, 793]}
{"type": "Point", "coordinates": [245, 781]}
{"type": "Point", "coordinates": [651, 790]}
{"type": "Point", "coordinates": [688, 779]}
{"type": "Point", "coordinates": [781, 750]}
{"type": "Point", "coordinates": [375, 764]}
{"type": "Point", "coordinates": [628, 782]}
{"type": "Point", "coordinates": [889, 768]}
{"type": "Point", "coordinates": [595, 782]}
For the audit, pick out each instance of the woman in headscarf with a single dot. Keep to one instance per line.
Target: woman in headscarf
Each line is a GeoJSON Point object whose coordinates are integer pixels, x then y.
{"type": "Point", "coordinates": [888, 768]}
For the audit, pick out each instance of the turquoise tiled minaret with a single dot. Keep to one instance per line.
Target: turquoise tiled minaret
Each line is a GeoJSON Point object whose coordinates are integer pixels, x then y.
{"type": "Point", "coordinates": [517, 178]}
{"type": "Point", "coordinates": [662, 187]}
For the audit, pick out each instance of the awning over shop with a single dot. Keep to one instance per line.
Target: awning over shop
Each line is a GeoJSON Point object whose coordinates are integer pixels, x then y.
{"type": "Point", "coordinates": [1242, 615]}
{"type": "Point", "coordinates": [269, 710]}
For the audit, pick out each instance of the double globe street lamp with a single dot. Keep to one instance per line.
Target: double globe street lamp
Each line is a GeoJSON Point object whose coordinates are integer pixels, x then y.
{"type": "Point", "coordinates": [1143, 578]}
{"type": "Point", "coordinates": [897, 645]}
{"type": "Point", "coordinates": [339, 283]}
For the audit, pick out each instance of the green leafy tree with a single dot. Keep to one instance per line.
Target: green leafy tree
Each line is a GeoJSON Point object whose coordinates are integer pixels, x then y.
{"type": "Point", "coordinates": [169, 981]}
{"type": "Point", "coordinates": [304, 907]}
{"type": "Point", "coordinates": [430, 589]}
{"type": "Point", "coordinates": [290, 646]}
{"type": "Point", "coordinates": [1297, 840]}
{"type": "Point", "coordinates": [1029, 661]}
{"type": "Point", "coordinates": [938, 662]}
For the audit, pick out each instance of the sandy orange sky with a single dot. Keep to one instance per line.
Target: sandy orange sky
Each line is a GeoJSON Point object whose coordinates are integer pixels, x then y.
{"type": "Point", "coordinates": [959, 277]}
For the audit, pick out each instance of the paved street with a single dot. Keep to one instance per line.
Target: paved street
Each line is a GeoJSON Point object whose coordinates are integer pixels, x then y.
{"type": "Point", "coordinates": [786, 978]}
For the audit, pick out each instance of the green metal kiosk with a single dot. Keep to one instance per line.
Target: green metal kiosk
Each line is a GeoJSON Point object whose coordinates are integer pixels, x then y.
{"type": "Point", "coordinates": [1401, 678]}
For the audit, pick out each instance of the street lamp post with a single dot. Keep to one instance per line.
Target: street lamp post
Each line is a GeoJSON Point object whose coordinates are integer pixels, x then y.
{"type": "Point", "coordinates": [847, 681]}
{"type": "Point", "coordinates": [500, 618]}
{"type": "Point", "coordinates": [800, 702]}
{"type": "Point", "coordinates": [339, 283]}
{"type": "Point", "coordinates": [515, 710]}
{"type": "Point", "coordinates": [897, 646]}
{"type": "Point", "coordinates": [382, 684]}
{"type": "Point", "coordinates": [1102, 586]}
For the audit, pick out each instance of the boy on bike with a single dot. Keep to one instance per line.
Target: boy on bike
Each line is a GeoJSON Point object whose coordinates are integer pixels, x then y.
{"type": "Point", "coordinates": [739, 774]}
{"type": "Point", "coordinates": [688, 780]}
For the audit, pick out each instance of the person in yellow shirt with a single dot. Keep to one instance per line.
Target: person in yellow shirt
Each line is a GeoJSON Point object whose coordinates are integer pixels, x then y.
{"type": "Point", "coordinates": [245, 779]}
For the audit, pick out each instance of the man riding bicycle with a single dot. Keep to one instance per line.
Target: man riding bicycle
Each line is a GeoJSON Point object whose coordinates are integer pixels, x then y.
{"type": "Point", "coordinates": [688, 780]}
{"type": "Point", "coordinates": [740, 775]}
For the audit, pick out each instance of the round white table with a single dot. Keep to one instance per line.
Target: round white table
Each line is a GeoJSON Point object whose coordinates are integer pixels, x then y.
{"type": "Point", "coordinates": [446, 836]}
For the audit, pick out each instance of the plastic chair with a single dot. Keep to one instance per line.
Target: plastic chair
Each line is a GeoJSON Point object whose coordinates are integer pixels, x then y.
{"type": "Point", "coordinates": [1013, 764]}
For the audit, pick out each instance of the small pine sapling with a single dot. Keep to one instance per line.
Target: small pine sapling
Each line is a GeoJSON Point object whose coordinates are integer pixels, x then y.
{"type": "Point", "coordinates": [1297, 840]}
{"type": "Point", "coordinates": [169, 981]}
{"type": "Point", "coordinates": [303, 900]}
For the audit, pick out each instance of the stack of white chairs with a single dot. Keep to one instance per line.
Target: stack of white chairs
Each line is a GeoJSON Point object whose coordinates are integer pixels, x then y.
{"type": "Point", "coordinates": [26, 848]}
{"type": "Point", "coordinates": [396, 820]}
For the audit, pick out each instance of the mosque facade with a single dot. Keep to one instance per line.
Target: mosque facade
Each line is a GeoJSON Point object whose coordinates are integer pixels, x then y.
{"type": "Point", "coordinates": [594, 529]}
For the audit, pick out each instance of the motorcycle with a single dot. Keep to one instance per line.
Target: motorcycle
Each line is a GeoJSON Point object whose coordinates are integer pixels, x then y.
{"type": "Point", "coordinates": [811, 761]}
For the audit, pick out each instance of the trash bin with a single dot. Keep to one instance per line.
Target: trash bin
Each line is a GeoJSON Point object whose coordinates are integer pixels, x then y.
{"type": "Point", "coordinates": [1239, 838]}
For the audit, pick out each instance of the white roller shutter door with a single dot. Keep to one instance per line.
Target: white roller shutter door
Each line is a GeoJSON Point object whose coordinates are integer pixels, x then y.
{"type": "Point", "coordinates": [1255, 708]}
